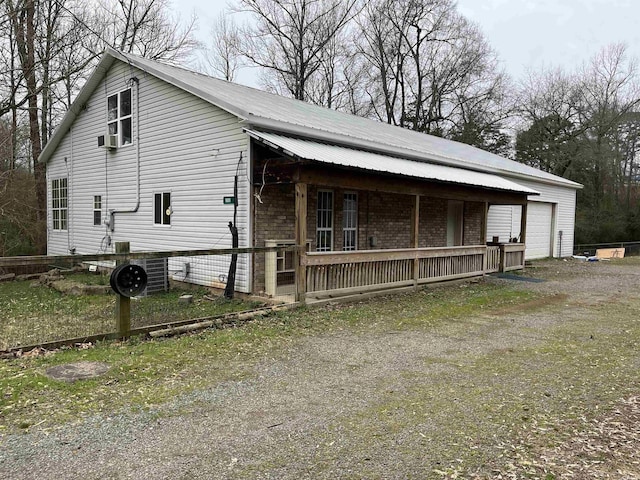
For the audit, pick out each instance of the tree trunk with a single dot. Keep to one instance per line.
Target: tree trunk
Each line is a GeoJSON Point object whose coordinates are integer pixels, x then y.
{"type": "Point", "coordinates": [25, 42]}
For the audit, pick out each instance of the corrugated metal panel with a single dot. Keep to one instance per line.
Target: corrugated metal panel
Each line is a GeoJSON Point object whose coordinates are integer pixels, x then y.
{"type": "Point", "coordinates": [292, 116]}
{"type": "Point", "coordinates": [348, 157]}
{"type": "Point", "coordinates": [265, 110]}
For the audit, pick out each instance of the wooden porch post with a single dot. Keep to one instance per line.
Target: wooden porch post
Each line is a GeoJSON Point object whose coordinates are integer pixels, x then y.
{"type": "Point", "coordinates": [523, 224]}
{"type": "Point", "coordinates": [301, 241]}
{"type": "Point", "coordinates": [523, 229]}
{"type": "Point", "coordinates": [485, 223]}
{"type": "Point", "coordinates": [415, 233]}
{"type": "Point", "coordinates": [483, 233]}
{"type": "Point", "coordinates": [503, 259]}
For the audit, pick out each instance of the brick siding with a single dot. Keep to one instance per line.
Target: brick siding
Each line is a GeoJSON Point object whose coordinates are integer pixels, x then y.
{"type": "Point", "coordinates": [383, 219]}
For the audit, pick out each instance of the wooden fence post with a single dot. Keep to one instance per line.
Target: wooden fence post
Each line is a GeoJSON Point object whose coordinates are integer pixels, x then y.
{"type": "Point", "coordinates": [123, 304]}
{"type": "Point", "coordinates": [503, 259]}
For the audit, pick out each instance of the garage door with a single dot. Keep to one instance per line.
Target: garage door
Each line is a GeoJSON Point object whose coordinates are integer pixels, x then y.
{"type": "Point", "coordinates": [539, 223]}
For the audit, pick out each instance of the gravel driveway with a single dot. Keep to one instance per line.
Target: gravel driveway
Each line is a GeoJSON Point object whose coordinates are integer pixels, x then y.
{"type": "Point", "coordinates": [343, 405]}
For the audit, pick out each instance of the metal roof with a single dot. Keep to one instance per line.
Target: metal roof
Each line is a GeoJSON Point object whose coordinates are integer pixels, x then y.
{"type": "Point", "coordinates": [349, 157]}
{"type": "Point", "coordinates": [266, 111]}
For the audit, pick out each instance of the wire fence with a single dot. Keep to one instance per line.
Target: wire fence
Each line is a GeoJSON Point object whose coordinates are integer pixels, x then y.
{"type": "Point", "coordinates": [588, 249]}
{"type": "Point", "coordinates": [73, 300]}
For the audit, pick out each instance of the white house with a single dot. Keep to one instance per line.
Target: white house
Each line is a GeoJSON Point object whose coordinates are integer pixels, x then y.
{"type": "Point", "coordinates": [148, 152]}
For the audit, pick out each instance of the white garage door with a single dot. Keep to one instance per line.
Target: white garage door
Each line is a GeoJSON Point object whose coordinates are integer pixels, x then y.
{"type": "Point", "coordinates": [539, 222]}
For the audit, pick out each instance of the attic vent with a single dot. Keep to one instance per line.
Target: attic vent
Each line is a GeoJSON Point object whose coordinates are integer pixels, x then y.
{"type": "Point", "coordinates": [157, 274]}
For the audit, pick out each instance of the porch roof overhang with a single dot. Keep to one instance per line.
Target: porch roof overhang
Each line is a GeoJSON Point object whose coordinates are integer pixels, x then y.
{"type": "Point", "coordinates": [375, 162]}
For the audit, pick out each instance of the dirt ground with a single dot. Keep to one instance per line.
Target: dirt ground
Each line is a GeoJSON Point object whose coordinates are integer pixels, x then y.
{"type": "Point", "coordinates": [545, 391]}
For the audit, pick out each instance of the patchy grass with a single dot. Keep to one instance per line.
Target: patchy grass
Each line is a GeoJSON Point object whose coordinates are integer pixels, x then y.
{"type": "Point", "coordinates": [531, 410]}
{"type": "Point", "coordinates": [89, 278]}
{"type": "Point", "coordinates": [31, 314]}
{"type": "Point", "coordinates": [145, 373]}
{"type": "Point", "coordinates": [524, 385]}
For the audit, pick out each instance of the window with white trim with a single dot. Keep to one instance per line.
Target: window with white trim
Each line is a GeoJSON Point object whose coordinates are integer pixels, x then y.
{"type": "Point", "coordinates": [119, 117]}
{"type": "Point", "coordinates": [162, 208]}
{"type": "Point", "coordinates": [350, 221]}
{"type": "Point", "coordinates": [97, 209]}
{"type": "Point", "coordinates": [59, 203]}
{"type": "Point", "coordinates": [324, 223]}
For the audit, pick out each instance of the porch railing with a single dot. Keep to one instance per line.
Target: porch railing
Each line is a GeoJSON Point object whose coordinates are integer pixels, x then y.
{"type": "Point", "coordinates": [342, 273]}
{"type": "Point", "coordinates": [492, 260]}
{"type": "Point", "coordinates": [338, 274]}
{"type": "Point", "coordinates": [512, 256]}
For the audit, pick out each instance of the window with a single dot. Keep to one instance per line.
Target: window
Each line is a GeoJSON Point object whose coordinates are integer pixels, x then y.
{"type": "Point", "coordinates": [162, 208]}
{"type": "Point", "coordinates": [97, 209]}
{"type": "Point", "coordinates": [350, 221]}
{"type": "Point", "coordinates": [119, 117]}
{"type": "Point", "coordinates": [59, 201]}
{"type": "Point", "coordinates": [324, 224]}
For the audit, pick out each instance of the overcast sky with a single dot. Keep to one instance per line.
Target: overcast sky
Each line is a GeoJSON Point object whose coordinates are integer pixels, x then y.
{"type": "Point", "coordinates": [525, 33]}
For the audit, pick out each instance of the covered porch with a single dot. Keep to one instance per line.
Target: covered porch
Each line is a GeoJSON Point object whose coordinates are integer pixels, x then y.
{"type": "Point", "coordinates": [362, 231]}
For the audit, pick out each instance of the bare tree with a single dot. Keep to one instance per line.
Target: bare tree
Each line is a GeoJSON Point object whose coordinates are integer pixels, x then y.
{"type": "Point", "coordinates": [381, 44]}
{"type": "Point", "coordinates": [585, 125]}
{"type": "Point", "coordinates": [431, 70]}
{"type": "Point", "coordinates": [611, 93]}
{"type": "Point", "coordinates": [289, 38]}
{"type": "Point", "coordinates": [223, 54]}
{"type": "Point", "coordinates": [145, 28]}
{"type": "Point", "coordinates": [550, 109]}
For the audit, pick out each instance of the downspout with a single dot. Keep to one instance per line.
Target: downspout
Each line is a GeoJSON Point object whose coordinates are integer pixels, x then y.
{"type": "Point", "coordinates": [136, 125]}
{"type": "Point", "coordinates": [70, 242]}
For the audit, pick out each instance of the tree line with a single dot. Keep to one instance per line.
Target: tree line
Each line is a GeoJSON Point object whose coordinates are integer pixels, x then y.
{"type": "Point", "coordinates": [417, 64]}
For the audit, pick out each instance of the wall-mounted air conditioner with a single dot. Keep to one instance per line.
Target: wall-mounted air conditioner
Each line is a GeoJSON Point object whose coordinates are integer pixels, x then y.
{"type": "Point", "coordinates": [108, 141]}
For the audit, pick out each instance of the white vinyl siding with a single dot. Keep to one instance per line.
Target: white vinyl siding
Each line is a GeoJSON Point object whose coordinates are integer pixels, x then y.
{"type": "Point", "coordinates": [504, 220]}
{"type": "Point", "coordinates": [187, 147]}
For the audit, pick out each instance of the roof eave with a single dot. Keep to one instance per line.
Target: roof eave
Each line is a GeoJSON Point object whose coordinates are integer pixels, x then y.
{"type": "Point", "coordinates": [348, 141]}
{"type": "Point", "coordinates": [77, 106]}
{"type": "Point", "coordinates": [203, 94]}
{"type": "Point", "coordinates": [257, 137]}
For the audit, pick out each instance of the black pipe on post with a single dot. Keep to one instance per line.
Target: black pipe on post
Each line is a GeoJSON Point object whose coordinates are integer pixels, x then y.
{"type": "Point", "coordinates": [231, 278]}
{"type": "Point", "coordinates": [230, 287]}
